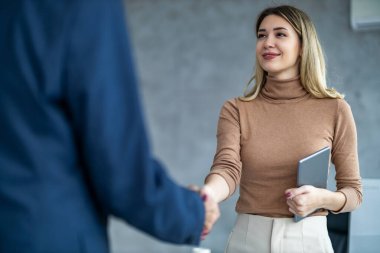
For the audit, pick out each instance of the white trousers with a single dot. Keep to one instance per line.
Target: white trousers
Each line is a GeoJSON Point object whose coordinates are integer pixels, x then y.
{"type": "Point", "coordinates": [254, 233]}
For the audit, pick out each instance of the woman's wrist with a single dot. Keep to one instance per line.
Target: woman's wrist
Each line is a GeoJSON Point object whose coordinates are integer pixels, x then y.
{"type": "Point", "coordinates": [217, 187]}
{"type": "Point", "coordinates": [333, 201]}
{"type": "Point", "coordinates": [210, 192]}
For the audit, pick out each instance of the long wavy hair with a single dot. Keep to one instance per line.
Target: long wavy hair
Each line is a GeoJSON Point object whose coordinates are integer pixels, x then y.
{"type": "Point", "coordinates": [312, 64]}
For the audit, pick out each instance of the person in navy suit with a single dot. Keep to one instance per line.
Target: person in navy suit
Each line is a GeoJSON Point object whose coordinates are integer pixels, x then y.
{"type": "Point", "coordinates": [73, 146]}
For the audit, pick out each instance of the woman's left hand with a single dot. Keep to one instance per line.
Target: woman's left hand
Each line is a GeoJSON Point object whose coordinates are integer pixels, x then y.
{"type": "Point", "coordinates": [304, 200]}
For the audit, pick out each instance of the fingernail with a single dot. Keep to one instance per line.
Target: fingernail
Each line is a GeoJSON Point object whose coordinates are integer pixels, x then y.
{"type": "Point", "coordinates": [204, 197]}
{"type": "Point", "coordinates": [288, 195]}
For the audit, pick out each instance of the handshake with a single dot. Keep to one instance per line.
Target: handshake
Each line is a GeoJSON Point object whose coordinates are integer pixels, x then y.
{"type": "Point", "coordinates": [212, 211]}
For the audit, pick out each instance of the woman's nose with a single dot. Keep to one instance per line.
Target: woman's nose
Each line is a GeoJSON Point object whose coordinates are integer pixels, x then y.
{"type": "Point", "coordinates": [269, 42]}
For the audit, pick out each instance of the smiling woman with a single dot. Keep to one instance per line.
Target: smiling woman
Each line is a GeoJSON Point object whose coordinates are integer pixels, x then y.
{"type": "Point", "coordinates": [293, 32]}
{"type": "Point", "coordinates": [278, 48]}
{"type": "Point", "coordinates": [288, 114]}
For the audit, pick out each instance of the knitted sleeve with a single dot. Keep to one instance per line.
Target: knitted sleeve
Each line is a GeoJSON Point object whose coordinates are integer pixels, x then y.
{"type": "Point", "coordinates": [227, 162]}
{"type": "Point", "coordinates": [345, 157]}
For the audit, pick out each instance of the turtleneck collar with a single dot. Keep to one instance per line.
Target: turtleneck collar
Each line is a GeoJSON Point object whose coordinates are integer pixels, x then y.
{"type": "Point", "coordinates": [288, 90]}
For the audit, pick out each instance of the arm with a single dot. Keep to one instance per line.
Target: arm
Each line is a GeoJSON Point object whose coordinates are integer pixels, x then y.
{"type": "Point", "coordinates": [104, 108]}
{"type": "Point", "coordinates": [226, 169]}
{"type": "Point", "coordinates": [306, 199]}
{"type": "Point", "coordinates": [348, 196]}
{"type": "Point", "coordinates": [332, 201]}
{"type": "Point", "coordinates": [216, 186]}
{"type": "Point", "coordinates": [345, 158]}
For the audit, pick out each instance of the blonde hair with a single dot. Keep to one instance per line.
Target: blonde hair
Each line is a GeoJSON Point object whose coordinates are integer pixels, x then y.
{"type": "Point", "coordinates": [312, 65]}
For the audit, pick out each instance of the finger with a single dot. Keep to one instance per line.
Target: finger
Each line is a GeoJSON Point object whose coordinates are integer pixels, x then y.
{"type": "Point", "coordinates": [296, 208]}
{"type": "Point", "coordinates": [297, 212]}
{"type": "Point", "coordinates": [205, 232]}
{"type": "Point", "coordinates": [203, 236]}
{"type": "Point", "coordinates": [292, 211]}
{"type": "Point", "coordinates": [211, 218]}
{"type": "Point", "coordinates": [207, 227]}
{"type": "Point", "coordinates": [299, 201]}
{"type": "Point", "coordinates": [297, 204]}
{"type": "Point", "coordinates": [194, 187]}
{"type": "Point", "coordinates": [291, 193]}
{"type": "Point", "coordinates": [291, 204]}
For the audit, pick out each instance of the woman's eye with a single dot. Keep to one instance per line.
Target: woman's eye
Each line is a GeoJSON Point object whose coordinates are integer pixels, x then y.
{"type": "Point", "coordinates": [259, 36]}
{"type": "Point", "coordinates": [281, 34]}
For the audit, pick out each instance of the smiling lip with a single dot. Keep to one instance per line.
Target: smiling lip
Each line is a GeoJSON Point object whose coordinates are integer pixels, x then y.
{"type": "Point", "coordinates": [270, 56]}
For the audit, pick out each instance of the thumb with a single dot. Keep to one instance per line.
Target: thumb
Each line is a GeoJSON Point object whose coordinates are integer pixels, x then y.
{"type": "Point", "coordinates": [291, 193]}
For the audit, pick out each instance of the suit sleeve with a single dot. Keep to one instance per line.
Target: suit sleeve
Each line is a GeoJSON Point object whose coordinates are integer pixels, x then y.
{"type": "Point", "coordinates": [104, 106]}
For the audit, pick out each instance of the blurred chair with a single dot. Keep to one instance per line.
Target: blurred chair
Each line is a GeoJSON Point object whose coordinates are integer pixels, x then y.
{"type": "Point", "coordinates": [364, 223]}
{"type": "Point", "coordinates": [337, 225]}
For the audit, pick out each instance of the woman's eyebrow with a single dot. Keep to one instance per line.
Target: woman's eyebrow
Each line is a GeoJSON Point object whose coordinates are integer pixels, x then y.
{"type": "Point", "coordinates": [279, 28]}
{"type": "Point", "coordinates": [274, 29]}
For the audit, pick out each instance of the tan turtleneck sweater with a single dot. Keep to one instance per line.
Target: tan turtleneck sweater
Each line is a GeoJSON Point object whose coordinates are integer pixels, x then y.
{"type": "Point", "coordinates": [260, 142]}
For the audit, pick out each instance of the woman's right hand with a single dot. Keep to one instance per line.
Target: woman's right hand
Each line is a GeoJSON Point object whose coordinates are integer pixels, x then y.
{"type": "Point", "coordinates": [212, 212]}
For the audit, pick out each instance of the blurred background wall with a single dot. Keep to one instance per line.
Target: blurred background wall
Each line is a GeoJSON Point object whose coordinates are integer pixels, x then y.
{"type": "Point", "coordinates": [192, 55]}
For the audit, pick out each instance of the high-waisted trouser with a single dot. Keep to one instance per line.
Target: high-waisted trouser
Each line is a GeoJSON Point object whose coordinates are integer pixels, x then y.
{"type": "Point", "coordinates": [254, 233]}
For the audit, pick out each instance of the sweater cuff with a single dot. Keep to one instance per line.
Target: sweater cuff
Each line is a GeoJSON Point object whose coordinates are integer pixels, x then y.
{"type": "Point", "coordinates": [351, 200]}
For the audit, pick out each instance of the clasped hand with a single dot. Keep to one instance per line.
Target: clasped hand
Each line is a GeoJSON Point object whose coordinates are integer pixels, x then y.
{"type": "Point", "coordinates": [212, 211]}
{"type": "Point", "coordinates": [304, 200]}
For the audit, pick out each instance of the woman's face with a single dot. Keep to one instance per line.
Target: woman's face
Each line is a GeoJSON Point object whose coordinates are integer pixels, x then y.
{"type": "Point", "coordinates": [278, 48]}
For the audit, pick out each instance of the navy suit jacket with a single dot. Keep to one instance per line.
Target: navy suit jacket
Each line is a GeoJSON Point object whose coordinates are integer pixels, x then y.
{"type": "Point", "coordinates": [73, 148]}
